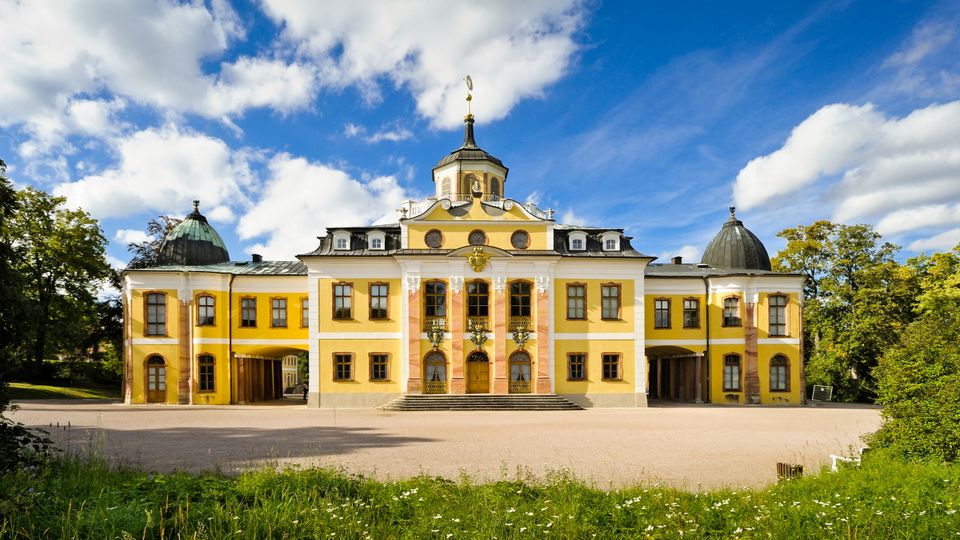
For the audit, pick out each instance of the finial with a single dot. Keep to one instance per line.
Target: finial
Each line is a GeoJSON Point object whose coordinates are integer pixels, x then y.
{"type": "Point", "coordinates": [469, 82]}
{"type": "Point", "coordinates": [196, 205]}
{"type": "Point", "coordinates": [733, 212]}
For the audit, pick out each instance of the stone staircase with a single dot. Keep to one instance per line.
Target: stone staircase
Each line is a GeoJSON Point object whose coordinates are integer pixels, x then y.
{"type": "Point", "coordinates": [481, 402]}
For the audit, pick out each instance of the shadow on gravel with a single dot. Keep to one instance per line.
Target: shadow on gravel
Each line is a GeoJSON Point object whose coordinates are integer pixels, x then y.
{"type": "Point", "coordinates": [198, 449]}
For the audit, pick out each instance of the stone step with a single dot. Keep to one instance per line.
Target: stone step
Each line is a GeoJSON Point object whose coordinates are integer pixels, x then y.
{"type": "Point", "coordinates": [481, 402]}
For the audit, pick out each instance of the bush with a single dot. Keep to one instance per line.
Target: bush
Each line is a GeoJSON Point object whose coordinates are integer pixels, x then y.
{"type": "Point", "coordinates": [21, 446]}
{"type": "Point", "coordinates": [919, 386]}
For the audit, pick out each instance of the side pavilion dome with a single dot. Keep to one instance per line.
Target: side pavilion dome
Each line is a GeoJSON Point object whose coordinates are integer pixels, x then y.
{"type": "Point", "coordinates": [193, 243]}
{"type": "Point", "coordinates": [736, 247]}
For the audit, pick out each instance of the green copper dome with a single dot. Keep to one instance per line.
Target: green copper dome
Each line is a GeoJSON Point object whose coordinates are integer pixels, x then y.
{"type": "Point", "coordinates": [736, 247]}
{"type": "Point", "coordinates": [193, 242]}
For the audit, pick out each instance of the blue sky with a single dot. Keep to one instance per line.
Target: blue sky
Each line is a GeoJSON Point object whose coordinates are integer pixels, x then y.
{"type": "Point", "coordinates": [285, 118]}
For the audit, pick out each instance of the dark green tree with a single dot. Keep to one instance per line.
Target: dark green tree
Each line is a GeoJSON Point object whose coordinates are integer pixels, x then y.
{"type": "Point", "coordinates": [12, 326]}
{"type": "Point", "coordinates": [62, 263]}
{"type": "Point", "coordinates": [145, 253]}
{"type": "Point", "coordinates": [857, 300]}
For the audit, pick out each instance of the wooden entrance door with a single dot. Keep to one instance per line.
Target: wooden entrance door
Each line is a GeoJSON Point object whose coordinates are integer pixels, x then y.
{"type": "Point", "coordinates": [478, 373]}
{"type": "Point", "coordinates": [156, 380]}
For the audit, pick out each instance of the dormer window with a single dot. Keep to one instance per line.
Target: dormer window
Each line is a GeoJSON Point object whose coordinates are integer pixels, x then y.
{"type": "Point", "coordinates": [375, 240]}
{"type": "Point", "coordinates": [578, 241]}
{"type": "Point", "coordinates": [610, 241]}
{"type": "Point", "coordinates": [341, 240]}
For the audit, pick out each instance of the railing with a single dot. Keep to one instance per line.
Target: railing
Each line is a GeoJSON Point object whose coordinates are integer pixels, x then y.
{"type": "Point", "coordinates": [472, 322]}
{"type": "Point", "coordinates": [520, 387]}
{"type": "Point", "coordinates": [518, 322]}
{"type": "Point", "coordinates": [429, 322]}
{"type": "Point", "coordinates": [435, 387]}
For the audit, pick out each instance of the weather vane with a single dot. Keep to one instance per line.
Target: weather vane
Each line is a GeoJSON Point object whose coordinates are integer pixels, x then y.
{"type": "Point", "coordinates": [469, 82]}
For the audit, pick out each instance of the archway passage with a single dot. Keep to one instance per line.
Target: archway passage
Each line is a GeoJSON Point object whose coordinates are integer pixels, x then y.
{"type": "Point", "coordinates": [677, 374]}
{"type": "Point", "coordinates": [478, 373]}
{"type": "Point", "coordinates": [258, 373]}
{"type": "Point", "coordinates": [520, 373]}
{"type": "Point", "coordinates": [156, 380]}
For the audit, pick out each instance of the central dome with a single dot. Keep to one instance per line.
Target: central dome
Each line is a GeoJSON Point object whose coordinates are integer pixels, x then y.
{"type": "Point", "coordinates": [193, 242]}
{"type": "Point", "coordinates": [469, 150]}
{"type": "Point", "coordinates": [735, 247]}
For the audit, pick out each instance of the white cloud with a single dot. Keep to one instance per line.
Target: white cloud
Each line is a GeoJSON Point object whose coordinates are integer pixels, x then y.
{"type": "Point", "coordinates": [689, 253]}
{"type": "Point", "coordinates": [869, 166]}
{"type": "Point", "coordinates": [926, 39]}
{"type": "Point", "coordinates": [352, 130]}
{"type": "Point", "coordinates": [392, 132]}
{"type": "Point", "coordinates": [512, 50]}
{"type": "Point", "coordinates": [57, 54]}
{"type": "Point", "coordinates": [944, 241]}
{"type": "Point", "coordinates": [569, 218]}
{"type": "Point", "coordinates": [300, 199]}
{"type": "Point", "coordinates": [163, 170]}
{"type": "Point", "coordinates": [130, 236]}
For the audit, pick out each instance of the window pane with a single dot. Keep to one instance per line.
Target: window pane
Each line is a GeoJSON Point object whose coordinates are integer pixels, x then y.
{"type": "Point", "coordinates": [378, 301]}
{"type": "Point", "coordinates": [661, 314]}
{"type": "Point", "coordinates": [576, 298]}
{"type": "Point", "coordinates": [576, 367]}
{"type": "Point", "coordinates": [278, 312]}
{"type": "Point", "coordinates": [611, 367]}
{"type": "Point", "coordinates": [610, 302]}
{"type": "Point", "coordinates": [691, 313]}
{"type": "Point", "coordinates": [343, 301]}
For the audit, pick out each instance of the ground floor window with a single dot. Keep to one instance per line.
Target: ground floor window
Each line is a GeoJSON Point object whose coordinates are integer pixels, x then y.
{"type": "Point", "coordinates": [379, 363]}
{"type": "Point", "coordinates": [206, 373]}
{"type": "Point", "coordinates": [611, 367]}
{"type": "Point", "coordinates": [779, 374]}
{"type": "Point", "coordinates": [731, 373]}
{"type": "Point", "coordinates": [343, 367]}
{"type": "Point", "coordinates": [577, 367]}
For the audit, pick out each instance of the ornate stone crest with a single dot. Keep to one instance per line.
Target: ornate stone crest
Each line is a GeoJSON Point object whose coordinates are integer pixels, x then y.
{"type": "Point", "coordinates": [520, 336]}
{"type": "Point", "coordinates": [436, 334]}
{"type": "Point", "coordinates": [478, 334]}
{"type": "Point", "coordinates": [478, 259]}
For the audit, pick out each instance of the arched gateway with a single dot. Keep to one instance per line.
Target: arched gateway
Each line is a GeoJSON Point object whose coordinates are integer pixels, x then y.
{"type": "Point", "coordinates": [478, 373]}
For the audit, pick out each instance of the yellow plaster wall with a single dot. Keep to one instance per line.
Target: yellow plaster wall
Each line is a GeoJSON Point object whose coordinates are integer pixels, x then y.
{"type": "Point", "coordinates": [263, 330]}
{"type": "Point", "coordinates": [498, 235]}
{"type": "Point", "coordinates": [221, 377]}
{"type": "Point", "coordinates": [139, 314]}
{"type": "Point", "coordinates": [717, 352]}
{"type": "Point", "coordinates": [717, 330]}
{"type": "Point", "coordinates": [361, 321]}
{"type": "Point", "coordinates": [676, 330]}
{"type": "Point", "coordinates": [792, 311]}
{"type": "Point", "coordinates": [170, 354]}
{"type": "Point", "coordinates": [361, 349]}
{"type": "Point", "coordinates": [594, 349]}
{"type": "Point", "coordinates": [593, 322]}
{"type": "Point", "coordinates": [793, 396]}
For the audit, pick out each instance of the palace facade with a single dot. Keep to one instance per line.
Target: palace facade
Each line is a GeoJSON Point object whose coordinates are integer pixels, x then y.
{"type": "Point", "coordinates": [469, 292]}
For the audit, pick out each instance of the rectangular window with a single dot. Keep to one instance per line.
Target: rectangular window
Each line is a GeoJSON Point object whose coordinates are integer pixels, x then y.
{"type": "Point", "coordinates": [304, 312]}
{"type": "Point", "coordinates": [478, 299]}
{"type": "Point", "coordinates": [577, 367]}
{"type": "Point", "coordinates": [779, 374]}
{"type": "Point", "coordinates": [342, 301]}
{"type": "Point", "coordinates": [206, 373]}
{"type": "Point", "coordinates": [610, 244]}
{"type": "Point", "coordinates": [343, 243]}
{"type": "Point", "coordinates": [205, 311]}
{"type": "Point", "coordinates": [731, 373]}
{"type": "Point", "coordinates": [376, 243]}
{"type": "Point", "coordinates": [731, 311]}
{"type": "Point", "coordinates": [519, 299]}
{"type": "Point", "coordinates": [248, 312]}
{"type": "Point", "coordinates": [378, 300]}
{"type": "Point", "coordinates": [156, 314]}
{"type": "Point", "coordinates": [691, 313]}
{"type": "Point", "coordinates": [610, 301]}
{"type": "Point", "coordinates": [611, 367]}
{"type": "Point", "coordinates": [661, 313]}
{"type": "Point", "coordinates": [576, 244]}
{"type": "Point", "coordinates": [576, 301]}
{"type": "Point", "coordinates": [778, 315]}
{"type": "Point", "coordinates": [342, 367]}
{"type": "Point", "coordinates": [379, 367]}
{"type": "Point", "coordinates": [278, 312]}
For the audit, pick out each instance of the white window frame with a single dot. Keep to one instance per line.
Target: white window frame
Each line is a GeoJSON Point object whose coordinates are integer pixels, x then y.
{"type": "Point", "coordinates": [341, 240]}
{"type": "Point", "coordinates": [372, 237]}
{"type": "Point", "coordinates": [578, 236]}
{"type": "Point", "coordinates": [608, 236]}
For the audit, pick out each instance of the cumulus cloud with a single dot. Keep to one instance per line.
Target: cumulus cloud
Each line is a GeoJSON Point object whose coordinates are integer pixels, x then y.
{"type": "Point", "coordinates": [300, 199]}
{"type": "Point", "coordinates": [690, 254]}
{"type": "Point", "coordinates": [903, 172]}
{"type": "Point", "coordinates": [570, 218]}
{"type": "Point", "coordinates": [130, 236]}
{"type": "Point", "coordinates": [393, 132]}
{"type": "Point", "coordinates": [163, 170]}
{"type": "Point", "coordinates": [944, 241]}
{"type": "Point", "coordinates": [512, 50]}
{"type": "Point", "coordinates": [58, 54]}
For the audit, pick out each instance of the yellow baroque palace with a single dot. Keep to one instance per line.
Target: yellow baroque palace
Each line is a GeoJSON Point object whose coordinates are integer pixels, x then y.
{"type": "Point", "coordinates": [469, 292]}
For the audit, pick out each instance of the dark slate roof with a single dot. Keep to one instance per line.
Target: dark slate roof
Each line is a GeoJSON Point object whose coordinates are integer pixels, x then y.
{"type": "Point", "coordinates": [358, 243]}
{"type": "Point", "coordinates": [594, 248]}
{"type": "Point", "coordinates": [193, 242]}
{"type": "Point", "coordinates": [258, 268]}
{"type": "Point", "coordinates": [736, 247]}
{"type": "Point", "coordinates": [701, 270]}
{"type": "Point", "coordinates": [469, 150]}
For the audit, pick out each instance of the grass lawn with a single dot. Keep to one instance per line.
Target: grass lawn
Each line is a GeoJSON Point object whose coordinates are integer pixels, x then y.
{"type": "Point", "coordinates": [75, 498]}
{"type": "Point", "coordinates": [20, 391]}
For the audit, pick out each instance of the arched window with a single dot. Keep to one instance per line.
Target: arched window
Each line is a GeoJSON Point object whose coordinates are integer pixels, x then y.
{"type": "Point", "coordinates": [520, 373]}
{"type": "Point", "coordinates": [731, 373]}
{"type": "Point", "coordinates": [206, 373]}
{"type": "Point", "coordinates": [434, 304]}
{"type": "Point", "coordinates": [779, 374]}
{"type": "Point", "coordinates": [205, 310]}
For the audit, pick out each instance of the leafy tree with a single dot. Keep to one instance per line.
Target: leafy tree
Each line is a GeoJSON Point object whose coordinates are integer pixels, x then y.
{"type": "Point", "coordinates": [919, 379]}
{"type": "Point", "coordinates": [12, 326]}
{"type": "Point", "coordinates": [145, 253]}
{"type": "Point", "coordinates": [857, 300]}
{"type": "Point", "coordinates": [62, 263]}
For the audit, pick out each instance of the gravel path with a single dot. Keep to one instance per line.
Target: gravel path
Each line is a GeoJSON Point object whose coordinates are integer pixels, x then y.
{"type": "Point", "coordinates": [680, 446]}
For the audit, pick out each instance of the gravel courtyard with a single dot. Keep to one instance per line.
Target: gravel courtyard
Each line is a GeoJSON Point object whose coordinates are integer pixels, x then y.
{"type": "Point", "coordinates": [679, 446]}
